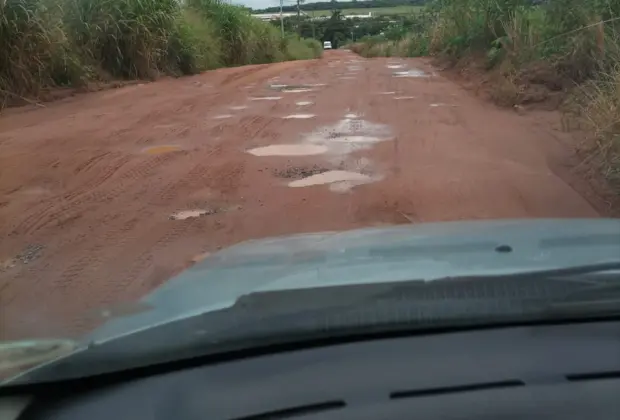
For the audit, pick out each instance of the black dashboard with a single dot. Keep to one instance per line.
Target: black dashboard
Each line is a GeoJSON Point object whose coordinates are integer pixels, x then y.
{"type": "Point", "coordinates": [565, 372]}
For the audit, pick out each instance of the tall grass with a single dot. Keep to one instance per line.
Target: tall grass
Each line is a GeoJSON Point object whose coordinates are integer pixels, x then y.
{"type": "Point", "coordinates": [48, 43]}
{"type": "Point", "coordinates": [568, 46]}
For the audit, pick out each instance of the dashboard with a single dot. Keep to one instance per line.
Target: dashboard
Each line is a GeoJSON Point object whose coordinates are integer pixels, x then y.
{"type": "Point", "coordinates": [566, 372]}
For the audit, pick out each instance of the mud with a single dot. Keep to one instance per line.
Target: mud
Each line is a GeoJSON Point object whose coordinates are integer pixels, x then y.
{"type": "Point", "coordinates": [88, 184]}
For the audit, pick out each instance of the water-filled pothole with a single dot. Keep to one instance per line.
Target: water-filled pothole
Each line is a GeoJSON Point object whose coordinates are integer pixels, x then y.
{"type": "Point", "coordinates": [222, 116]}
{"type": "Point", "coordinates": [237, 107]}
{"type": "Point", "coordinates": [304, 103]}
{"type": "Point", "coordinates": [410, 73]}
{"type": "Point", "coordinates": [344, 179]}
{"type": "Point", "coordinates": [265, 98]}
{"type": "Point", "coordinates": [189, 214]}
{"type": "Point", "coordinates": [293, 88]}
{"type": "Point", "coordinates": [159, 150]}
{"type": "Point", "coordinates": [289, 150]}
{"type": "Point", "coordinates": [395, 66]}
{"type": "Point", "coordinates": [295, 172]}
{"type": "Point", "coordinates": [298, 116]}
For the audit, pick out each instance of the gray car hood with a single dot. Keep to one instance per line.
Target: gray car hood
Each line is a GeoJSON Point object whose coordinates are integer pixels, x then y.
{"type": "Point", "coordinates": [422, 252]}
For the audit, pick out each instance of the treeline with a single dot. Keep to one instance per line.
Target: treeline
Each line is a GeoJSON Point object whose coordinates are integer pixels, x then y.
{"type": "Point", "coordinates": [335, 5]}
{"type": "Point", "coordinates": [50, 43]}
{"type": "Point", "coordinates": [340, 31]}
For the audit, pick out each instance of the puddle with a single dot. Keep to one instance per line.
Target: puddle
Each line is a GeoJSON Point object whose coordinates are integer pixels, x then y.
{"type": "Point", "coordinates": [344, 180]}
{"type": "Point", "coordinates": [398, 98]}
{"type": "Point", "coordinates": [410, 73]}
{"type": "Point", "coordinates": [395, 66]}
{"type": "Point", "coordinates": [289, 150]}
{"type": "Point", "coordinates": [188, 214]}
{"type": "Point", "coordinates": [439, 104]}
{"type": "Point", "coordinates": [387, 93]}
{"type": "Point", "coordinates": [299, 116]}
{"type": "Point", "coordinates": [237, 107]}
{"type": "Point", "coordinates": [354, 68]}
{"type": "Point", "coordinates": [294, 88]}
{"type": "Point", "coordinates": [351, 116]}
{"type": "Point", "coordinates": [303, 103]}
{"type": "Point", "coordinates": [299, 171]}
{"type": "Point", "coordinates": [265, 98]}
{"type": "Point", "coordinates": [158, 150]}
{"type": "Point", "coordinates": [298, 90]}
{"type": "Point", "coordinates": [347, 77]}
{"type": "Point", "coordinates": [349, 135]}
{"type": "Point", "coordinates": [222, 117]}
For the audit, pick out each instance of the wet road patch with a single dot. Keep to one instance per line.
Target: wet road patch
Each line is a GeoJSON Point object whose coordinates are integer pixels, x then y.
{"type": "Point", "coordinates": [294, 88]}
{"type": "Point", "coordinates": [299, 116]}
{"type": "Point", "coordinates": [222, 116]}
{"type": "Point", "coordinates": [304, 103]}
{"type": "Point", "coordinates": [289, 150]}
{"type": "Point", "coordinates": [265, 98]}
{"type": "Point", "coordinates": [295, 172]}
{"type": "Point", "coordinates": [339, 181]}
{"type": "Point", "coordinates": [411, 73]}
{"type": "Point", "coordinates": [190, 214]}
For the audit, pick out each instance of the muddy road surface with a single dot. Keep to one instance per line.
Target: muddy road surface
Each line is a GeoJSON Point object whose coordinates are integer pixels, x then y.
{"type": "Point", "coordinates": [105, 196]}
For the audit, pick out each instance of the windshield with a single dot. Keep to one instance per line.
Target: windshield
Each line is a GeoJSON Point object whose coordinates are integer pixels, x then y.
{"type": "Point", "coordinates": [203, 156]}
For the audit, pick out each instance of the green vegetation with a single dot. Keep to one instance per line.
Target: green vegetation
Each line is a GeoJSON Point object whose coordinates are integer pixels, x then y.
{"type": "Point", "coordinates": [532, 52]}
{"type": "Point", "coordinates": [376, 11]}
{"type": "Point", "coordinates": [47, 43]}
{"type": "Point", "coordinates": [358, 6]}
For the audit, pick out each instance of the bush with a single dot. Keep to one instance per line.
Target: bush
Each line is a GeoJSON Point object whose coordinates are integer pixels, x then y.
{"type": "Point", "coordinates": [44, 43]}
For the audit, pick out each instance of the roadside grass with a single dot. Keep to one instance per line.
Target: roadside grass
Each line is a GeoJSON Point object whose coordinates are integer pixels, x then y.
{"type": "Point", "coordinates": [46, 43]}
{"type": "Point", "coordinates": [530, 53]}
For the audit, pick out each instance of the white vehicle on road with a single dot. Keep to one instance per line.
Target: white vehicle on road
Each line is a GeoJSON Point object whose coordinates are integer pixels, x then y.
{"type": "Point", "coordinates": [327, 45]}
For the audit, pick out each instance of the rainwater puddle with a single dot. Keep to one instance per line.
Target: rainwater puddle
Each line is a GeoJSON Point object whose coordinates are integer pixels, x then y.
{"type": "Point", "coordinates": [410, 73]}
{"type": "Point", "coordinates": [265, 98]}
{"type": "Point", "coordinates": [344, 180]}
{"type": "Point", "coordinates": [160, 150]}
{"type": "Point", "coordinates": [188, 214]}
{"type": "Point", "coordinates": [222, 117]}
{"type": "Point", "coordinates": [298, 116]}
{"type": "Point", "coordinates": [351, 116]}
{"type": "Point", "coordinates": [289, 150]}
{"type": "Point", "coordinates": [347, 77]}
{"type": "Point", "coordinates": [349, 135]}
{"type": "Point", "coordinates": [237, 107]}
{"type": "Point", "coordinates": [395, 66]}
{"type": "Point", "coordinates": [387, 93]}
{"type": "Point", "coordinates": [304, 103]}
{"type": "Point", "coordinates": [402, 98]}
{"type": "Point", "coordinates": [440, 105]}
{"type": "Point", "coordinates": [292, 88]}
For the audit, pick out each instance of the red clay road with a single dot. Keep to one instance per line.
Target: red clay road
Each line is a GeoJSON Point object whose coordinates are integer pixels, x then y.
{"type": "Point", "coordinates": [87, 209]}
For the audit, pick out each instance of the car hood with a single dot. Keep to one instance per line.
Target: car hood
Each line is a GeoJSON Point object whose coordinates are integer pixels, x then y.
{"type": "Point", "coordinates": [422, 252]}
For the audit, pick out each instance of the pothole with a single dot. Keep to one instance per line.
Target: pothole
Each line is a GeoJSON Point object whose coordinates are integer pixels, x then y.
{"type": "Point", "coordinates": [344, 180]}
{"type": "Point", "coordinates": [265, 98]}
{"type": "Point", "coordinates": [401, 98]}
{"type": "Point", "coordinates": [159, 150]}
{"type": "Point", "coordinates": [395, 66]}
{"type": "Point", "coordinates": [295, 172]}
{"type": "Point", "coordinates": [292, 88]}
{"type": "Point", "coordinates": [304, 103]}
{"type": "Point", "coordinates": [189, 214]}
{"type": "Point", "coordinates": [237, 107]}
{"type": "Point", "coordinates": [440, 105]}
{"type": "Point", "coordinates": [289, 150]}
{"type": "Point", "coordinates": [222, 116]}
{"type": "Point", "coordinates": [410, 73]}
{"type": "Point", "coordinates": [391, 92]}
{"type": "Point", "coordinates": [298, 116]}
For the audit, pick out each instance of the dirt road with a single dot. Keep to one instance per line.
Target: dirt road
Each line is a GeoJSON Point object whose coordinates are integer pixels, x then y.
{"type": "Point", "coordinates": [94, 189]}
